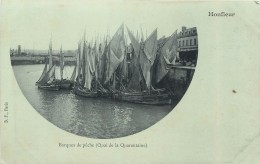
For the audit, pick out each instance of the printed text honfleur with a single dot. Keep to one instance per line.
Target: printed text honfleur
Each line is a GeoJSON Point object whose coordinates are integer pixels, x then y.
{"type": "Point", "coordinates": [221, 14]}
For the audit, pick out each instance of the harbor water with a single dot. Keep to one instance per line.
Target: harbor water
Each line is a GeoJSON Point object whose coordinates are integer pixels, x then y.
{"type": "Point", "coordinates": [89, 117]}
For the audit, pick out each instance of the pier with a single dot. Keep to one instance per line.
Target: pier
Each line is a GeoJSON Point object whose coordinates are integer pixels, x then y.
{"type": "Point", "coordinates": [35, 59]}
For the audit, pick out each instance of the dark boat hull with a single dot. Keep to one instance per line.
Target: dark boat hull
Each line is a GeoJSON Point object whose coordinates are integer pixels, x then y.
{"type": "Point", "coordinates": [66, 84]}
{"type": "Point", "coordinates": [84, 93]}
{"type": "Point", "coordinates": [105, 94]}
{"type": "Point", "coordinates": [49, 87]}
{"type": "Point", "coordinates": [144, 98]}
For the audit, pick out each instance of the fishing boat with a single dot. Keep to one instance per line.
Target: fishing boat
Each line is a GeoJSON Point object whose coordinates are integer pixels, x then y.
{"type": "Point", "coordinates": [86, 84]}
{"type": "Point", "coordinates": [47, 79]}
{"type": "Point", "coordinates": [111, 56]}
{"type": "Point", "coordinates": [140, 89]}
{"type": "Point", "coordinates": [102, 64]}
{"type": "Point", "coordinates": [155, 98]}
{"type": "Point", "coordinates": [106, 72]}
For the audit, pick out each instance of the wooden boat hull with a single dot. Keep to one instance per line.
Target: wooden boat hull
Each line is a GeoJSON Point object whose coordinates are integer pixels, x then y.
{"type": "Point", "coordinates": [144, 98]}
{"type": "Point", "coordinates": [49, 87]}
{"type": "Point", "coordinates": [66, 84]}
{"type": "Point", "coordinates": [84, 93]}
{"type": "Point", "coordinates": [105, 94]}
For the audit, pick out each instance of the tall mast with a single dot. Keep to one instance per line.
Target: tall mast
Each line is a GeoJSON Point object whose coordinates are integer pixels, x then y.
{"type": "Point", "coordinates": [50, 53]}
{"type": "Point", "coordinates": [61, 63]}
{"type": "Point", "coordinates": [84, 59]}
{"type": "Point", "coordinates": [96, 64]}
{"type": "Point", "coordinates": [79, 60]}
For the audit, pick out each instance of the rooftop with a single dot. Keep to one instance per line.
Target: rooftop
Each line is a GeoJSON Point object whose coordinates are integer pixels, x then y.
{"type": "Point", "coordinates": [186, 32]}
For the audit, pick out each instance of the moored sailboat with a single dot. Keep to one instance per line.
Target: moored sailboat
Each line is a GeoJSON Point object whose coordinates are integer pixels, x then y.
{"type": "Point", "coordinates": [47, 80]}
{"type": "Point", "coordinates": [109, 71]}
{"type": "Point", "coordinates": [109, 58]}
{"type": "Point", "coordinates": [86, 84]}
{"type": "Point", "coordinates": [140, 89]}
{"type": "Point", "coordinates": [102, 69]}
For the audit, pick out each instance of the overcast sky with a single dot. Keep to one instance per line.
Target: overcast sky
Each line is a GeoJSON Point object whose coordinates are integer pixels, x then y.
{"type": "Point", "coordinates": [31, 24]}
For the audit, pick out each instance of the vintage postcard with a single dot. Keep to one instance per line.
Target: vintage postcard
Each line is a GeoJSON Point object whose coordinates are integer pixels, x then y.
{"type": "Point", "coordinates": [119, 81]}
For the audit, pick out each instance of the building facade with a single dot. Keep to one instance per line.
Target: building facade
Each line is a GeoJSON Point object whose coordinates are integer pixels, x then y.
{"type": "Point", "coordinates": [188, 44]}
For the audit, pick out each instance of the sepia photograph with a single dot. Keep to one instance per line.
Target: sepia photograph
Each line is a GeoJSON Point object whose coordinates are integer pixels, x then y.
{"type": "Point", "coordinates": [110, 85]}
{"type": "Point", "coordinates": [116, 81]}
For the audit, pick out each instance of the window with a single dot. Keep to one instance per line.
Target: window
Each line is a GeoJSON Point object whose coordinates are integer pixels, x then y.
{"type": "Point", "coordinates": [187, 42]}
{"type": "Point", "coordinates": [183, 43]}
{"type": "Point", "coordinates": [191, 42]}
{"type": "Point", "coordinates": [179, 43]}
{"type": "Point", "coordinates": [195, 42]}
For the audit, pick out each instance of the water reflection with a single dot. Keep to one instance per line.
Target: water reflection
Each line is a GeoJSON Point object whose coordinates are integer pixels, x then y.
{"type": "Point", "coordinates": [94, 118]}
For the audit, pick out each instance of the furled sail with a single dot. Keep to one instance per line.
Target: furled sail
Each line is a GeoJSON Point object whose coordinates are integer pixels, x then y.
{"type": "Point", "coordinates": [123, 70]}
{"type": "Point", "coordinates": [90, 67]}
{"type": "Point", "coordinates": [43, 73]}
{"type": "Point", "coordinates": [116, 52]}
{"type": "Point", "coordinates": [99, 48]}
{"type": "Point", "coordinates": [103, 65]}
{"type": "Point", "coordinates": [150, 46]}
{"type": "Point", "coordinates": [147, 56]}
{"type": "Point", "coordinates": [79, 60]}
{"type": "Point", "coordinates": [167, 52]}
{"type": "Point", "coordinates": [98, 64]}
{"type": "Point", "coordinates": [61, 63]}
{"type": "Point", "coordinates": [50, 54]}
{"type": "Point", "coordinates": [95, 58]}
{"type": "Point", "coordinates": [134, 83]}
{"type": "Point", "coordinates": [87, 74]}
{"type": "Point", "coordinates": [84, 55]}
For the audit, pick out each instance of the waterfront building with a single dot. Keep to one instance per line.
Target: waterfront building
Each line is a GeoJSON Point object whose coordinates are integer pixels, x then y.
{"type": "Point", "coordinates": [187, 40]}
